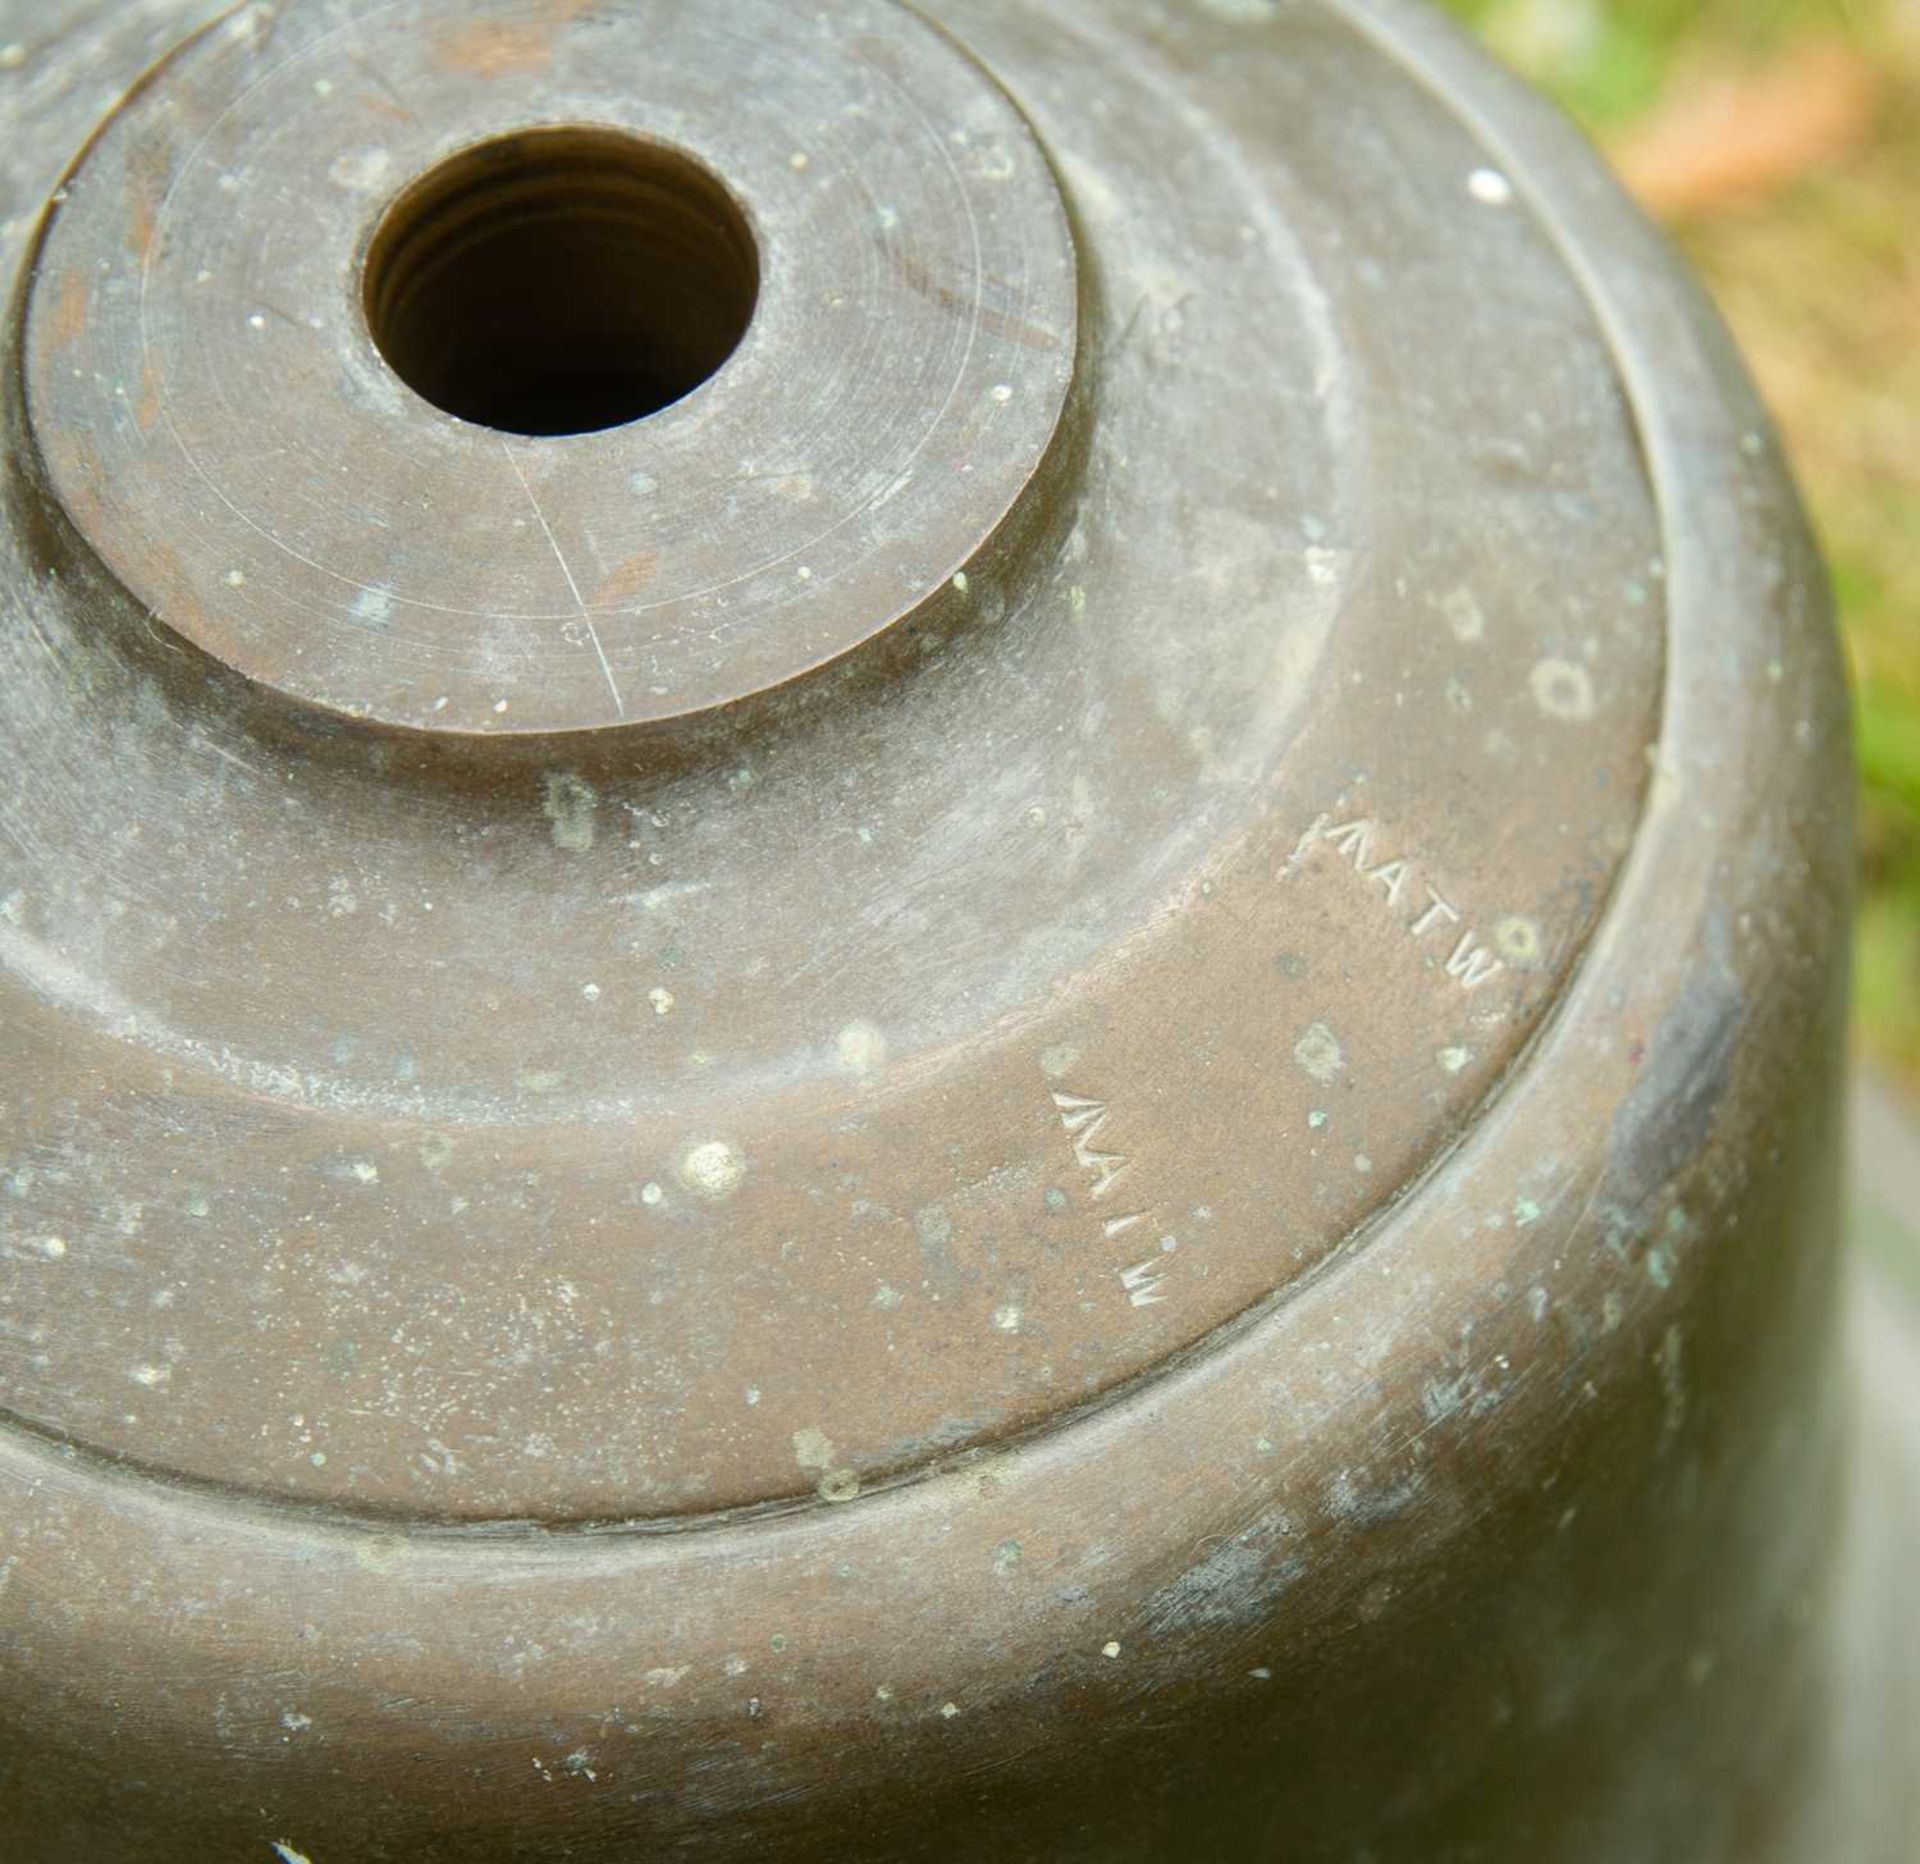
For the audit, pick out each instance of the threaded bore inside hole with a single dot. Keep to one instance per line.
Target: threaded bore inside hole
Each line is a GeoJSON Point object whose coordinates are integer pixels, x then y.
{"type": "Point", "coordinates": [561, 281]}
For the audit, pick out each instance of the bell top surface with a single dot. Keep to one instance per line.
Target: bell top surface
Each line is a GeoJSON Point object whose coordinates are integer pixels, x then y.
{"type": "Point", "coordinates": [724, 959]}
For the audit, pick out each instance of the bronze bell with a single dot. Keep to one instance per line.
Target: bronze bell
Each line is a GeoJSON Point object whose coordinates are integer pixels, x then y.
{"type": "Point", "coordinates": [924, 939]}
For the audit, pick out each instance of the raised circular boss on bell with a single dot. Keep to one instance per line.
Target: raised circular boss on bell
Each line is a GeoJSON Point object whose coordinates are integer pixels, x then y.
{"type": "Point", "coordinates": [923, 938]}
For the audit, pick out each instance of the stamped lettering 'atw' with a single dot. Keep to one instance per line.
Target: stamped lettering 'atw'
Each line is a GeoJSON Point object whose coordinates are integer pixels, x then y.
{"type": "Point", "coordinates": [1402, 890]}
{"type": "Point", "coordinates": [1086, 1123]}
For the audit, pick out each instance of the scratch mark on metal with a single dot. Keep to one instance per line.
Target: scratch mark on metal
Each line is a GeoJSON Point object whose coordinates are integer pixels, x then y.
{"type": "Point", "coordinates": [573, 588]}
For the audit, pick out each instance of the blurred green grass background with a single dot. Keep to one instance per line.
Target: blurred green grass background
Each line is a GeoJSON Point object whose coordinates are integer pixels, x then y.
{"type": "Point", "coordinates": [1780, 142]}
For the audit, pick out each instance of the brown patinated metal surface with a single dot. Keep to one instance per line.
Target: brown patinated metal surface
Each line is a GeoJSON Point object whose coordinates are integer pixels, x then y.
{"type": "Point", "coordinates": [923, 937]}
